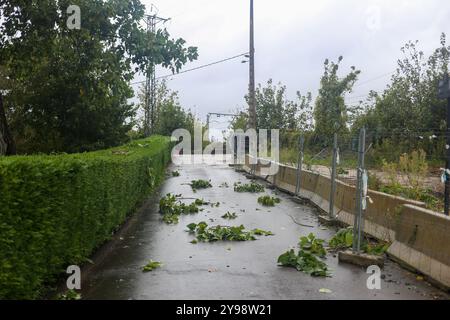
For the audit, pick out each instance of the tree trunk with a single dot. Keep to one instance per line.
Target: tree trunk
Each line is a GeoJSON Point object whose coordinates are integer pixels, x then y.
{"type": "Point", "coordinates": [7, 145]}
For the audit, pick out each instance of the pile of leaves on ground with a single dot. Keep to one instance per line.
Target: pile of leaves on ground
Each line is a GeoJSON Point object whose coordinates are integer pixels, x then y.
{"type": "Point", "coordinates": [343, 240]}
{"type": "Point", "coordinates": [171, 208]}
{"type": "Point", "coordinates": [268, 201]}
{"type": "Point", "coordinates": [204, 233]}
{"type": "Point", "coordinates": [251, 187]}
{"type": "Point", "coordinates": [200, 184]}
{"type": "Point", "coordinates": [309, 258]}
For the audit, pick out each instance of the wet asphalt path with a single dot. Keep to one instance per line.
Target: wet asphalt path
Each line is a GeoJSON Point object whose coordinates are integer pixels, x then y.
{"type": "Point", "coordinates": [226, 270]}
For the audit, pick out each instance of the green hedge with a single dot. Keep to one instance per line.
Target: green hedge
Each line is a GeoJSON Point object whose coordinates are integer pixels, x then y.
{"type": "Point", "coordinates": [56, 210]}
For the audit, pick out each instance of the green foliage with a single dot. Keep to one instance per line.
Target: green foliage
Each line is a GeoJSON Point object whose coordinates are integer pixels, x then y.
{"type": "Point", "coordinates": [230, 216]}
{"type": "Point", "coordinates": [69, 295]}
{"type": "Point", "coordinates": [56, 210]}
{"type": "Point", "coordinates": [268, 201]}
{"type": "Point", "coordinates": [251, 188]}
{"type": "Point", "coordinates": [260, 232]}
{"type": "Point", "coordinates": [330, 113]}
{"type": "Point", "coordinates": [342, 240]}
{"type": "Point", "coordinates": [200, 184]}
{"type": "Point", "coordinates": [171, 218]}
{"type": "Point", "coordinates": [413, 167]}
{"type": "Point", "coordinates": [304, 261]}
{"type": "Point", "coordinates": [408, 111]}
{"type": "Point", "coordinates": [152, 265]}
{"type": "Point", "coordinates": [204, 233]}
{"type": "Point", "coordinates": [171, 208]}
{"type": "Point", "coordinates": [71, 88]}
{"type": "Point", "coordinates": [424, 195]}
{"type": "Point", "coordinates": [274, 111]}
{"type": "Point", "coordinates": [313, 245]}
{"type": "Point", "coordinates": [376, 249]}
{"type": "Point", "coordinates": [308, 258]}
{"type": "Point", "coordinates": [175, 174]}
{"type": "Point", "coordinates": [169, 114]}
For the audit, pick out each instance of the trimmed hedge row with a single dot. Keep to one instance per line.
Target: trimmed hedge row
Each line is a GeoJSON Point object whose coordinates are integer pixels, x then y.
{"type": "Point", "coordinates": [56, 210]}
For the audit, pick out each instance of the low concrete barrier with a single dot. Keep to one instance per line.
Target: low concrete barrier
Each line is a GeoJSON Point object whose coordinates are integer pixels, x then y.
{"type": "Point", "coordinates": [420, 238]}
{"type": "Point", "coordinates": [422, 241]}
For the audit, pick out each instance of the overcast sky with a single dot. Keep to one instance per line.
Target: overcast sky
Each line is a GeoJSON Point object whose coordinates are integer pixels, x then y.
{"type": "Point", "coordinates": [293, 38]}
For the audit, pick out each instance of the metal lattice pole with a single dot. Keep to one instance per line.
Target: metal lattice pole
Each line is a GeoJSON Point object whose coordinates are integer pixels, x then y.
{"type": "Point", "coordinates": [150, 78]}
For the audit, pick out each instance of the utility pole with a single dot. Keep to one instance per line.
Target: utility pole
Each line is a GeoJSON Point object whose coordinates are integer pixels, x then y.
{"type": "Point", "coordinates": [333, 176]}
{"type": "Point", "coordinates": [358, 226]}
{"type": "Point", "coordinates": [444, 93]}
{"type": "Point", "coordinates": [252, 87]}
{"type": "Point", "coordinates": [150, 81]}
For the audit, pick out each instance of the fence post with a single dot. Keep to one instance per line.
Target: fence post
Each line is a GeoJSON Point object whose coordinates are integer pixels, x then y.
{"type": "Point", "coordinates": [333, 176]}
{"type": "Point", "coordinates": [299, 165]}
{"type": "Point", "coordinates": [358, 222]}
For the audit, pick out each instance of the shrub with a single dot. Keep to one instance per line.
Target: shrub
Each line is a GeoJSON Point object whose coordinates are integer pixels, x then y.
{"type": "Point", "coordinates": [56, 210]}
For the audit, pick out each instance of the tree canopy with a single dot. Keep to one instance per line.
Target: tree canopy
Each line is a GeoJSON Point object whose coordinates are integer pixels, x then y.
{"type": "Point", "coordinates": [71, 87]}
{"type": "Point", "coordinates": [330, 112]}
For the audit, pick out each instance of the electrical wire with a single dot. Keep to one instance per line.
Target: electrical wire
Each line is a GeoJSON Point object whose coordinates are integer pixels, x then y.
{"type": "Point", "coordinates": [196, 68]}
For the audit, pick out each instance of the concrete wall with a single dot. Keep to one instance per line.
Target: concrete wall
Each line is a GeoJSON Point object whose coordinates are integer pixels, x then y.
{"type": "Point", "coordinates": [422, 242]}
{"type": "Point", "coordinates": [420, 238]}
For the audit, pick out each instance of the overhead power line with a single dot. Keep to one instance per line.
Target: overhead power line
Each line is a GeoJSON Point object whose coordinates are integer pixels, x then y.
{"type": "Point", "coordinates": [196, 68]}
{"type": "Point", "coordinates": [373, 79]}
